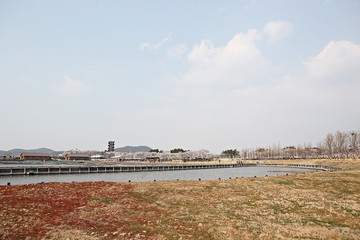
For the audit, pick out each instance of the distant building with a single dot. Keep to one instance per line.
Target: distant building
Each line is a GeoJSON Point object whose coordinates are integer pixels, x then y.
{"type": "Point", "coordinates": [77, 156]}
{"type": "Point", "coordinates": [98, 156]}
{"type": "Point", "coordinates": [111, 146]}
{"type": "Point", "coordinates": [6, 156]}
{"type": "Point", "coordinates": [35, 156]}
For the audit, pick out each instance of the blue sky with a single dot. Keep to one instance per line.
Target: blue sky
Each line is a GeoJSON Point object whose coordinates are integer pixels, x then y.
{"type": "Point", "coordinates": [192, 74]}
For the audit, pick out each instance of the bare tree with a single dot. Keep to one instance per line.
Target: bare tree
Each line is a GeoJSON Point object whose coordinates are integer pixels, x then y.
{"type": "Point", "coordinates": [245, 153]}
{"type": "Point", "coordinates": [289, 152]}
{"type": "Point", "coordinates": [308, 153]}
{"type": "Point", "coordinates": [299, 152]}
{"type": "Point", "coordinates": [276, 151]}
{"type": "Point", "coordinates": [340, 144]}
{"type": "Point", "coordinates": [329, 143]}
{"type": "Point", "coordinates": [320, 150]}
{"type": "Point", "coordinates": [354, 143]}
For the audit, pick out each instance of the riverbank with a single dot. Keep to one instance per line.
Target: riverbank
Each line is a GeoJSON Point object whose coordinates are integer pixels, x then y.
{"type": "Point", "coordinates": [322, 205]}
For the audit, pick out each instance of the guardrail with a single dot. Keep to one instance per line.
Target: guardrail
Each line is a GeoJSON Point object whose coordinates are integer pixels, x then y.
{"type": "Point", "coordinates": [38, 170]}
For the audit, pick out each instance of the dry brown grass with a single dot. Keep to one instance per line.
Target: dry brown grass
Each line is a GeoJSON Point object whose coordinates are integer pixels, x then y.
{"type": "Point", "coordinates": [322, 205]}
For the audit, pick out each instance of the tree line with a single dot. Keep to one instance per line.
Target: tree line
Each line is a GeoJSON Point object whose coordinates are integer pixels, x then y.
{"type": "Point", "coordinates": [336, 145]}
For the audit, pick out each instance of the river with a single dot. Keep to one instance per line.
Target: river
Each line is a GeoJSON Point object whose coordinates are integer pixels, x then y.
{"type": "Point", "coordinates": [203, 174]}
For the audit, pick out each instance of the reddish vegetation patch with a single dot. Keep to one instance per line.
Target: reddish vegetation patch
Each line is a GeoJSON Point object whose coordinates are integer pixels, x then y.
{"type": "Point", "coordinates": [31, 210]}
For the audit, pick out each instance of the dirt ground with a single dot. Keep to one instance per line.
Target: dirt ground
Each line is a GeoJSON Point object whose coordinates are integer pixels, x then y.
{"type": "Point", "coordinates": [321, 205]}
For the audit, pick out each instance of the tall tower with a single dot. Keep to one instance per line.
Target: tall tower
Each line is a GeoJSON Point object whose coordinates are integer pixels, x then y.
{"type": "Point", "coordinates": [111, 146]}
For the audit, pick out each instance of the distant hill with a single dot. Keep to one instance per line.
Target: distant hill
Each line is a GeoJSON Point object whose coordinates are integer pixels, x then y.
{"type": "Point", "coordinates": [18, 151]}
{"type": "Point", "coordinates": [133, 149]}
{"type": "Point", "coordinates": [2, 152]}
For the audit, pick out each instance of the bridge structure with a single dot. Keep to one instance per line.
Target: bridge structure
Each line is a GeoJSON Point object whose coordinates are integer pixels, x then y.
{"type": "Point", "coordinates": [76, 169]}
{"type": "Point", "coordinates": [73, 169]}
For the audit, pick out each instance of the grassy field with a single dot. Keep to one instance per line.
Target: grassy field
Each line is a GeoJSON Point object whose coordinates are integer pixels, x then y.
{"type": "Point", "coordinates": [321, 205]}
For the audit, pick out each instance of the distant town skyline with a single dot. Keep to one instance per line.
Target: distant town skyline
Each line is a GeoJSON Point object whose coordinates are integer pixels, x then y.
{"type": "Point", "coordinates": [197, 75]}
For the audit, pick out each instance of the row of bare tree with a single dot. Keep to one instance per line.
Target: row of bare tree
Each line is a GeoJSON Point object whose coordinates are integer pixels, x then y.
{"type": "Point", "coordinates": [334, 145]}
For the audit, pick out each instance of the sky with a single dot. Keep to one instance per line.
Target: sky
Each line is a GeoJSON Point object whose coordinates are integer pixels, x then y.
{"type": "Point", "coordinates": [195, 74]}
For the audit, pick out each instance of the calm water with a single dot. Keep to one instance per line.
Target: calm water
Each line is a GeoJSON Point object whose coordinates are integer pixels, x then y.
{"type": "Point", "coordinates": [203, 174]}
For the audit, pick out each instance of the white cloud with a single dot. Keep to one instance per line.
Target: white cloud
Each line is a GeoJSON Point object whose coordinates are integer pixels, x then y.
{"type": "Point", "coordinates": [277, 30]}
{"type": "Point", "coordinates": [330, 78]}
{"type": "Point", "coordinates": [337, 62]}
{"type": "Point", "coordinates": [72, 87]}
{"type": "Point", "coordinates": [239, 61]}
{"type": "Point", "coordinates": [177, 51]}
{"type": "Point", "coordinates": [322, 98]}
{"type": "Point", "coordinates": [155, 46]}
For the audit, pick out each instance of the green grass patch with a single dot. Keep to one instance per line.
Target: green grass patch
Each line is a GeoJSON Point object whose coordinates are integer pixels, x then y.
{"type": "Point", "coordinates": [142, 196]}
{"type": "Point", "coordinates": [326, 222]}
{"type": "Point", "coordinates": [249, 203]}
{"type": "Point", "coordinates": [285, 182]}
{"type": "Point", "coordinates": [186, 219]}
{"type": "Point", "coordinates": [101, 199]}
{"type": "Point", "coordinates": [354, 212]}
{"type": "Point", "coordinates": [278, 208]}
